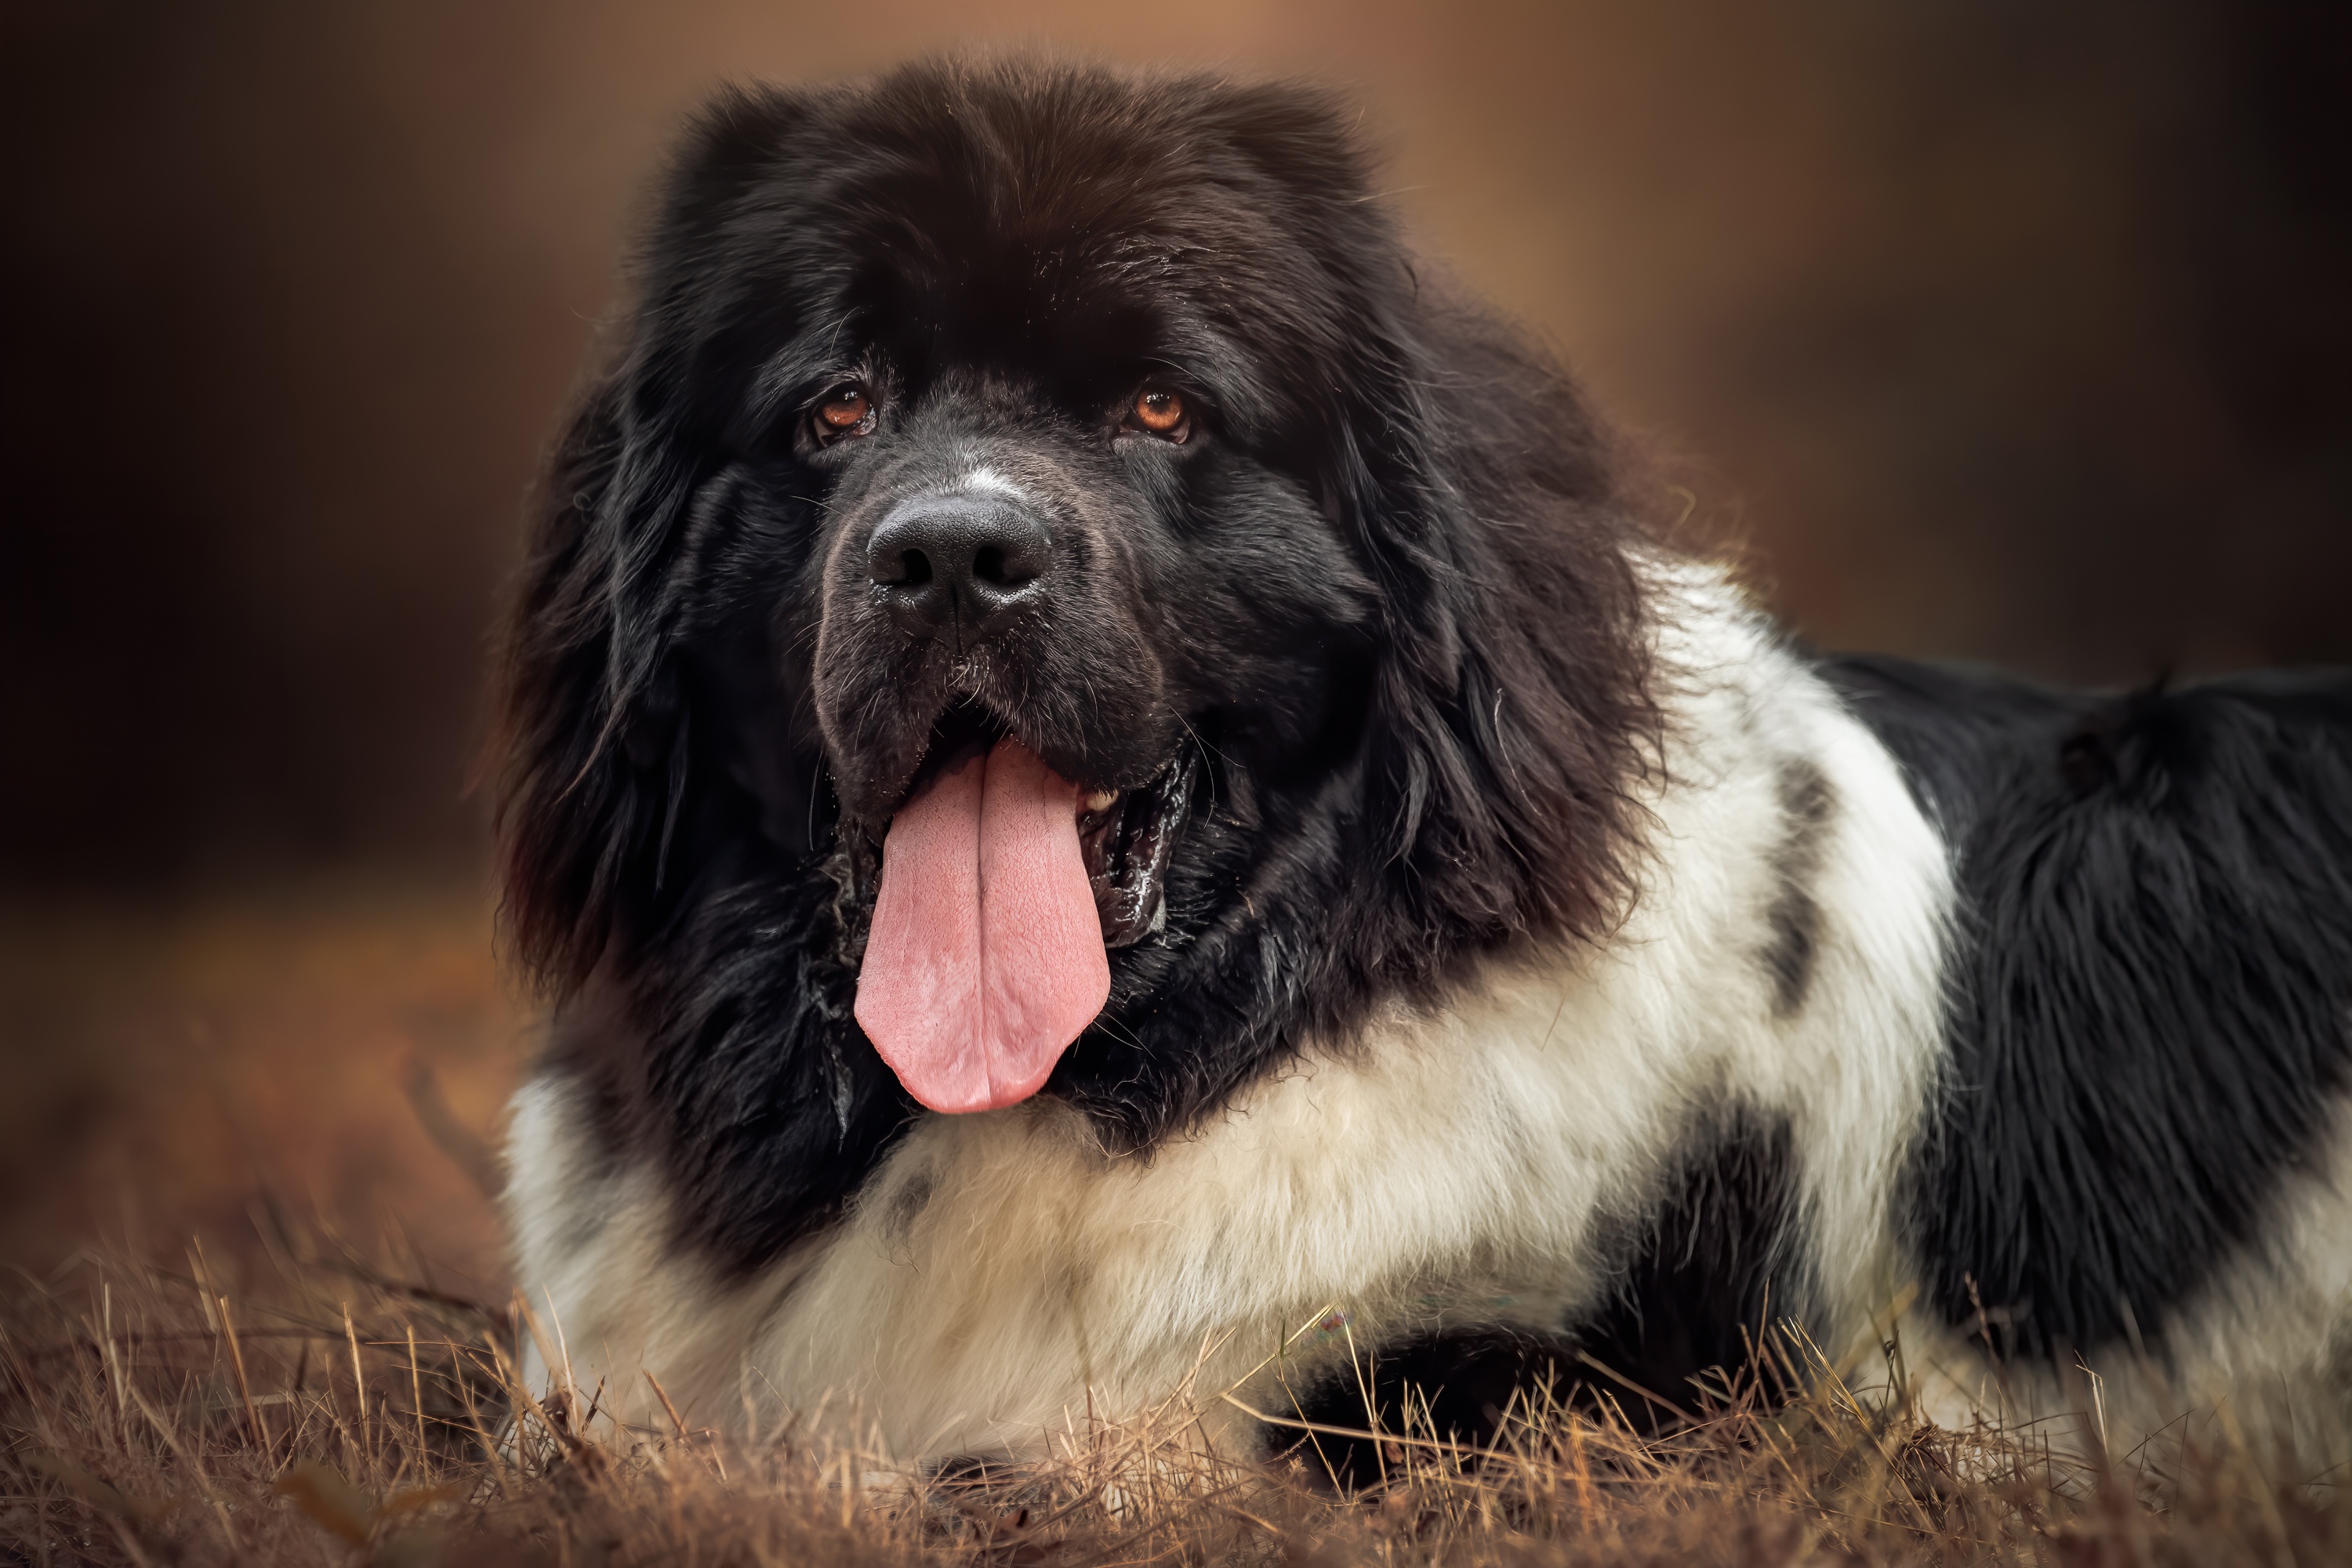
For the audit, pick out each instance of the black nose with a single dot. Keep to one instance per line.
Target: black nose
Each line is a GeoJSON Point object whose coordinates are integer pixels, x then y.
{"type": "Point", "coordinates": [972, 564]}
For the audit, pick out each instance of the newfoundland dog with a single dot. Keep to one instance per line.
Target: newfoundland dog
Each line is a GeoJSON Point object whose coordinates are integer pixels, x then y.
{"type": "Point", "coordinates": [1112, 792]}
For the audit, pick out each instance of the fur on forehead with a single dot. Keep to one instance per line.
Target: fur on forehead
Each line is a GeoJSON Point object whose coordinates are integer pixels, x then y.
{"type": "Point", "coordinates": [1043, 219]}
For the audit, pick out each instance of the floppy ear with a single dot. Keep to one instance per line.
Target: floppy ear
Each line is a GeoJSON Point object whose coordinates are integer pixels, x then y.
{"type": "Point", "coordinates": [1512, 709]}
{"type": "Point", "coordinates": [591, 744]}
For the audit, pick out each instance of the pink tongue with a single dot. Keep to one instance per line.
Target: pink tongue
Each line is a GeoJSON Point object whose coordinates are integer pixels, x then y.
{"type": "Point", "coordinates": [986, 958]}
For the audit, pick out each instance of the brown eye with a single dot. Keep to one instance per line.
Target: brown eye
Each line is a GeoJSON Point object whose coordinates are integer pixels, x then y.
{"type": "Point", "coordinates": [844, 411]}
{"type": "Point", "coordinates": [1159, 411]}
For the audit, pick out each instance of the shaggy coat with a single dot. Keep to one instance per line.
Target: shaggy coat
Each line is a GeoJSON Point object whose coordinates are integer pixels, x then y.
{"type": "Point", "coordinates": [1523, 960]}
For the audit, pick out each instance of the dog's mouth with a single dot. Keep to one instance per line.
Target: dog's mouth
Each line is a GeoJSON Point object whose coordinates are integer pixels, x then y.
{"type": "Point", "coordinates": [1004, 887]}
{"type": "Point", "coordinates": [1126, 837]}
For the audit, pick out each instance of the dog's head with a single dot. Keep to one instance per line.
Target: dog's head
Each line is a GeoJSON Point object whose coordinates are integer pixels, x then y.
{"type": "Point", "coordinates": [1030, 491]}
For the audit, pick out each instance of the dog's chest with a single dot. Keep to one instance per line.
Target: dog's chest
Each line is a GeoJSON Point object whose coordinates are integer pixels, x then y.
{"type": "Point", "coordinates": [1003, 1272]}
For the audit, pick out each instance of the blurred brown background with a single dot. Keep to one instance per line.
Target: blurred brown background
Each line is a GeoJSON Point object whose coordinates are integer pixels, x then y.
{"type": "Point", "coordinates": [2018, 331]}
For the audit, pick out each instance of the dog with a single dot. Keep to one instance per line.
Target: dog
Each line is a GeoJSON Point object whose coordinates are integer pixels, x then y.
{"type": "Point", "coordinates": [1116, 790]}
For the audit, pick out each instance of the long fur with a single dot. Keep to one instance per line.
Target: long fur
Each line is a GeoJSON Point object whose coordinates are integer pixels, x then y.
{"type": "Point", "coordinates": [1558, 966]}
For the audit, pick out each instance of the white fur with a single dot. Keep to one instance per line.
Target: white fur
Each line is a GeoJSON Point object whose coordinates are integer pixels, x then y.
{"type": "Point", "coordinates": [979, 476]}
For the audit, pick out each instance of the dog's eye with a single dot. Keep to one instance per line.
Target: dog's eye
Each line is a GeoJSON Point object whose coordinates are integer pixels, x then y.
{"type": "Point", "coordinates": [1160, 412]}
{"type": "Point", "coordinates": [846, 411]}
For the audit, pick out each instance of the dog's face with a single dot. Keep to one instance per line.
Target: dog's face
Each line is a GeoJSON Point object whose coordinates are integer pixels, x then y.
{"type": "Point", "coordinates": [1046, 519]}
{"type": "Point", "coordinates": [1045, 513]}
{"type": "Point", "coordinates": [1012, 409]}
{"type": "Point", "coordinates": [1033, 418]}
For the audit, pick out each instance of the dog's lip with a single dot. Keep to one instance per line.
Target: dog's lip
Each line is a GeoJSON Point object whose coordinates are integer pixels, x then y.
{"type": "Point", "coordinates": [957, 731]}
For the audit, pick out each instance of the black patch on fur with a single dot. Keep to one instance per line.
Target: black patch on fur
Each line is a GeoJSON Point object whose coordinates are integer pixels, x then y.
{"type": "Point", "coordinates": [1469, 1380]}
{"type": "Point", "coordinates": [2151, 987]}
{"type": "Point", "coordinates": [1708, 1273]}
{"type": "Point", "coordinates": [907, 1204]}
{"type": "Point", "coordinates": [1808, 802]}
{"type": "Point", "coordinates": [1703, 1280]}
{"type": "Point", "coordinates": [1381, 599]}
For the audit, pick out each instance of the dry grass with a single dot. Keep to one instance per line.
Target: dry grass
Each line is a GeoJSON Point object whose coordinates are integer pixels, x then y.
{"type": "Point", "coordinates": [320, 1412]}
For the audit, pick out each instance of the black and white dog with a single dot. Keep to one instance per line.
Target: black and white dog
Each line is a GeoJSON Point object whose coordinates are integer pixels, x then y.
{"type": "Point", "coordinates": [1112, 789]}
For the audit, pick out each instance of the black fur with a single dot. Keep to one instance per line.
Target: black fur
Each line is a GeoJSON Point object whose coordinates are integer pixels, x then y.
{"type": "Point", "coordinates": [1380, 606]}
{"type": "Point", "coordinates": [2152, 988]}
{"type": "Point", "coordinates": [1460, 1386]}
{"type": "Point", "coordinates": [1808, 802]}
{"type": "Point", "coordinates": [1711, 1271]}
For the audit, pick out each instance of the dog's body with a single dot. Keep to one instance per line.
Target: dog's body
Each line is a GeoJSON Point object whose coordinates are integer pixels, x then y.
{"type": "Point", "coordinates": [1520, 958]}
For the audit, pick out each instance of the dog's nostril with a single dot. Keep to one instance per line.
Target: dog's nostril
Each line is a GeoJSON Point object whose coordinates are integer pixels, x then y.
{"type": "Point", "coordinates": [914, 568]}
{"type": "Point", "coordinates": [988, 566]}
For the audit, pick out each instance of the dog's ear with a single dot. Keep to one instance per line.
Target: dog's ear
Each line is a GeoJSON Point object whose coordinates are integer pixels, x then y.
{"type": "Point", "coordinates": [1358, 373]}
{"type": "Point", "coordinates": [590, 747]}
{"type": "Point", "coordinates": [1512, 710]}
